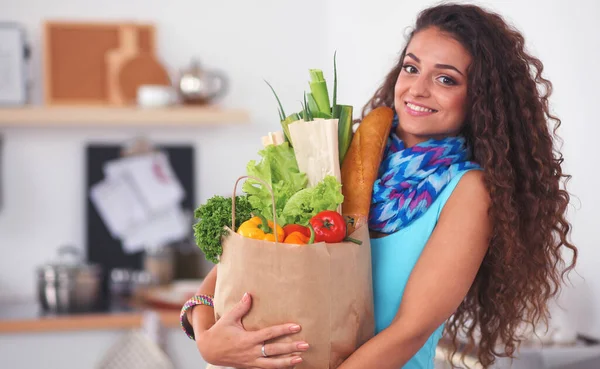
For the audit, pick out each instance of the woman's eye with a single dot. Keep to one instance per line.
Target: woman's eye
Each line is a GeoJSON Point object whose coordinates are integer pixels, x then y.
{"type": "Point", "coordinates": [409, 68]}
{"type": "Point", "coordinates": [447, 80]}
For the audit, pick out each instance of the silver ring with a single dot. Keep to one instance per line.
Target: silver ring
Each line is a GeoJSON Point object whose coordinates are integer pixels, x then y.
{"type": "Point", "coordinates": [262, 349]}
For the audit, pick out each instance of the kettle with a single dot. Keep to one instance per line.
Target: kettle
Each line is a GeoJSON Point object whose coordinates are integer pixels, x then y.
{"type": "Point", "coordinates": [198, 86]}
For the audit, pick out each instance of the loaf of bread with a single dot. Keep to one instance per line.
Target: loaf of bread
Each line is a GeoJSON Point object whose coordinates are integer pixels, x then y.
{"type": "Point", "coordinates": [361, 165]}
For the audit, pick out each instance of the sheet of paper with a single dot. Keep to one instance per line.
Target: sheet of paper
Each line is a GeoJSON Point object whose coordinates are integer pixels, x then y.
{"type": "Point", "coordinates": [152, 177]}
{"type": "Point", "coordinates": [118, 205]}
{"type": "Point", "coordinates": [159, 230]}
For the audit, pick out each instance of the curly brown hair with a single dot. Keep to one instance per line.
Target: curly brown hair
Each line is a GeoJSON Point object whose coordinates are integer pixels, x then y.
{"type": "Point", "coordinates": [507, 127]}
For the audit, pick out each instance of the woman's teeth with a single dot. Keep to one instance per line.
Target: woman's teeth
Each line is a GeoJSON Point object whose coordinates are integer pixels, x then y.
{"type": "Point", "coordinates": [420, 108]}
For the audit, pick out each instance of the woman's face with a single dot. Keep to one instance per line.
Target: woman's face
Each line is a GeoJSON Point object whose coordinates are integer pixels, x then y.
{"type": "Point", "coordinates": [431, 91]}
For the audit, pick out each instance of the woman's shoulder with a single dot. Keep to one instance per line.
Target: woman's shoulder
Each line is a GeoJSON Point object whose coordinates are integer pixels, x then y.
{"type": "Point", "coordinates": [474, 180]}
{"type": "Point", "coordinates": [470, 194]}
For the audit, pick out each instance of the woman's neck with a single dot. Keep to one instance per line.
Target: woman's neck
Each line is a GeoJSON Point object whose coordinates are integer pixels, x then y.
{"type": "Point", "coordinates": [411, 140]}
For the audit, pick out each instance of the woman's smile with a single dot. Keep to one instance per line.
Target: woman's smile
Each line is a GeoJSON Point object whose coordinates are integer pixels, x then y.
{"type": "Point", "coordinates": [418, 110]}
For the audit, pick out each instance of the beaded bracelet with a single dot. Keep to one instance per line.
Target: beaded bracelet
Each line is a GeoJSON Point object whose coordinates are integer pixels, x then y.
{"type": "Point", "coordinates": [195, 300]}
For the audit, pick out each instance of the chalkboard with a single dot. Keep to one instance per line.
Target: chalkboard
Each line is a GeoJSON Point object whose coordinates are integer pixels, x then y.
{"type": "Point", "coordinates": [101, 247]}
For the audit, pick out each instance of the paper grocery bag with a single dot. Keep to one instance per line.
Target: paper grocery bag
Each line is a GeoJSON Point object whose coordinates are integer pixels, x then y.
{"type": "Point", "coordinates": [326, 288]}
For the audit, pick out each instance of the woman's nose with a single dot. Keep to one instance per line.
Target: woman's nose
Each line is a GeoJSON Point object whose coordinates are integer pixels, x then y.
{"type": "Point", "coordinates": [420, 86]}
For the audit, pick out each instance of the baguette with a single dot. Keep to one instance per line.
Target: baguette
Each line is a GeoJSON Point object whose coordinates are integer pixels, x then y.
{"type": "Point", "coordinates": [361, 165]}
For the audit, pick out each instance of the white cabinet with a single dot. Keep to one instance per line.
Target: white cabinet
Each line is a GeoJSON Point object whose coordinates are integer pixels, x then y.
{"type": "Point", "coordinates": [83, 349]}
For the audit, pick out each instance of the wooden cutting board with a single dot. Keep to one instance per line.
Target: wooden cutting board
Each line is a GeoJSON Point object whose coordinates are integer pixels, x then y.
{"type": "Point", "coordinates": [129, 67]}
{"type": "Point", "coordinates": [75, 68]}
{"type": "Point", "coordinates": [141, 69]}
{"type": "Point", "coordinates": [128, 48]}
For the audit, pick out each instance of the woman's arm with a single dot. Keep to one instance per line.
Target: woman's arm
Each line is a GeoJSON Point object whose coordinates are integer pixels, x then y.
{"type": "Point", "coordinates": [202, 317]}
{"type": "Point", "coordinates": [439, 281]}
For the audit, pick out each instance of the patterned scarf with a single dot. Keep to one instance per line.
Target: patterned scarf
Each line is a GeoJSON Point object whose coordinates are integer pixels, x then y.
{"type": "Point", "coordinates": [410, 179]}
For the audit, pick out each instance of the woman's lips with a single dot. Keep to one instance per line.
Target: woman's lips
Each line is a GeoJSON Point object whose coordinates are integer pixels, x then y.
{"type": "Point", "coordinates": [418, 110]}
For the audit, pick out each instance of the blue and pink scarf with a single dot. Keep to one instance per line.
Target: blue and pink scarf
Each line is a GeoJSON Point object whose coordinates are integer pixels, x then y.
{"type": "Point", "coordinates": [410, 179]}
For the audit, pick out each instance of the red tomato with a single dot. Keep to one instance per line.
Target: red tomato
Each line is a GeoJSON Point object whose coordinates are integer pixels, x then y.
{"type": "Point", "coordinates": [329, 226]}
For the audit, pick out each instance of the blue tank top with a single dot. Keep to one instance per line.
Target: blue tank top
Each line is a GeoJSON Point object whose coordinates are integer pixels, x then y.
{"type": "Point", "coordinates": [393, 259]}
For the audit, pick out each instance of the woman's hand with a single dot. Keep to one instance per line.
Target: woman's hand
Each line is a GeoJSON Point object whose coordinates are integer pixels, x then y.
{"type": "Point", "coordinates": [228, 344]}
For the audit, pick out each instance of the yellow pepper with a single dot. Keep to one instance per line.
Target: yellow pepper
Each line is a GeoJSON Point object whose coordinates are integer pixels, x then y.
{"type": "Point", "coordinates": [254, 228]}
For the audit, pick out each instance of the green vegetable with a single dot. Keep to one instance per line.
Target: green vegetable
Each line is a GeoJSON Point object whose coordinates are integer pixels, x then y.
{"type": "Point", "coordinates": [334, 104]}
{"type": "Point", "coordinates": [305, 204]}
{"type": "Point", "coordinates": [318, 89]}
{"type": "Point", "coordinates": [316, 104]}
{"type": "Point", "coordinates": [279, 169]}
{"type": "Point", "coordinates": [344, 115]}
{"type": "Point", "coordinates": [285, 121]}
{"type": "Point", "coordinates": [213, 217]}
{"type": "Point", "coordinates": [344, 129]}
{"type": "Point", "coordinates": [312, 104]}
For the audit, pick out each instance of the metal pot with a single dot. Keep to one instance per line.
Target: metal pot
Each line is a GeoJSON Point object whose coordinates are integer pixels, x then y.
{"type": "Point", "coordinates": [69, 285]}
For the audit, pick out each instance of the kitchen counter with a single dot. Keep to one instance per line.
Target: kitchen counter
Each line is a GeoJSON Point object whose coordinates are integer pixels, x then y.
{"type": "Point", "coordinates": [23, 317]}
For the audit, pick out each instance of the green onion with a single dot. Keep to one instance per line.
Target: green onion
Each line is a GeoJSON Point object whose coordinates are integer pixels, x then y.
{"type": "Point", "coordinates": [335, 113]}
{"type": "Point", "coordinates": [281, 112]}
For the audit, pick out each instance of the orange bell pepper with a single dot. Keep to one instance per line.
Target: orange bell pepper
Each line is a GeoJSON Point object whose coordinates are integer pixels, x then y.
{"type": "Point", "coordinates": [255, 228]}
{"type": "Point", "coordinates": [297, 238]}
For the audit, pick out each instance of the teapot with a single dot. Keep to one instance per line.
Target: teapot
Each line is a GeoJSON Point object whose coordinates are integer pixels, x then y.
{"type": "Point", "coordinates": [198, 86]}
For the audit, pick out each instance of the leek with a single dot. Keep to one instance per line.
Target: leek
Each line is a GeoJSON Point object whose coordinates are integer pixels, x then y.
{"type": "Point", "coordinates": [316, 105]}
{"type": "Point", "coordinates": [318, 89]}
{"type": "Point", "coordinates": [344, 130]}
{"type": "Point", "coordinates": [312, 104]}
{"type": "Point", "coordinates": [285, 125]}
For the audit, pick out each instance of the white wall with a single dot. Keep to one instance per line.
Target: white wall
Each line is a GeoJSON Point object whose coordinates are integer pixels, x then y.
{"type": "Point", "coordinates": [44, 168]}
{"type": "Point", "coordinates": [252, 40]}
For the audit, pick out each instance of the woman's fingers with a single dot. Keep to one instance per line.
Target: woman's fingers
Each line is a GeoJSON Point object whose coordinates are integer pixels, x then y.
{"type": "Point", "coordinates": [269, 333]}
{"type": "Point", "coordinates": [240, 309]}
{"type": "Point", "coordinates": [284, 348]}
{"type": "Point", "coordinates": [276, 363]}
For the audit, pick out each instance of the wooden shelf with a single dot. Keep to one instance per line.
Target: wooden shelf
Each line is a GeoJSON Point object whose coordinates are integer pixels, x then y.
{"type": "Point", "coordinates": [82, 116]}
{"type": "Point", "coordinates": [132, 320]}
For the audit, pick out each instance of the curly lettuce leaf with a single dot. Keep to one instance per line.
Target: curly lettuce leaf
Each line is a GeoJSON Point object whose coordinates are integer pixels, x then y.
{"type": "Point", "coordinates": [279, 169]}
{"type": "Point", "coordinates": [303, 205]}
{"type": "Point", "coordinates": [212, 217]}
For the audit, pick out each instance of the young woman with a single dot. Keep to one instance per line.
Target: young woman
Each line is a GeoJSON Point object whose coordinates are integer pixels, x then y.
{"type": "Point", "coordinates": [468, 214]}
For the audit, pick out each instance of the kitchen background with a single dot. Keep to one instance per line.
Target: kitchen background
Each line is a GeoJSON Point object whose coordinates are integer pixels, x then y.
{"type": "Point", "coordinates": [44, 169]}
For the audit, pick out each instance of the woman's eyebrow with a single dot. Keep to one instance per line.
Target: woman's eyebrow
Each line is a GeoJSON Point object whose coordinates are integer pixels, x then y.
{"type": "Point", "coordinates": [439, 66]}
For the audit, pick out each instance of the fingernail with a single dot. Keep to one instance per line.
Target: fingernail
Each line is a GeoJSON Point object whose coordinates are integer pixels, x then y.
{"type": "Point", "coordinates": [302, 346]}
{"type": "Point", "coordinates": [295, 328]}
{"type": "Point", "coordinates": [296, 360]}
{"type": "Point", "coordinates": [245, 297]}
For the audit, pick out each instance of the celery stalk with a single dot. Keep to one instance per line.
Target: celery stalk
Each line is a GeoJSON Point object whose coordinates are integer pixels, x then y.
{"type": "Point", "coordinates": [344, 130]}
{"type": "Point", "coordinates": [318, 88]}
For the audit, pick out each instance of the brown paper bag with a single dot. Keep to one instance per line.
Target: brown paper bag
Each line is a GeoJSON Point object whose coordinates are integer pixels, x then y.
{"type": "Point", "coordinates": [326, 288]}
